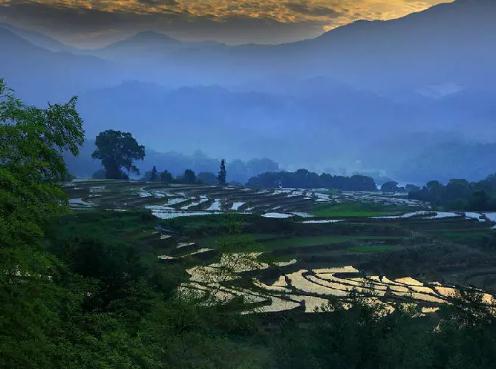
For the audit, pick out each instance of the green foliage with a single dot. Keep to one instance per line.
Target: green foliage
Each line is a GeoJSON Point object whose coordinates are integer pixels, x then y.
{"type": "Point", "coordinates": [31, 144]}
{"type": "Point", "coordinates": [459, 194]}
{"type": "Point", "coordinates": [391, 186]}
{"type": "Point", "coordinates": [371, 249]}
{"type": "Point", "coordinates": [118, 150]}
{"type": "Point", "coordinates": [132, 318]}
{"type": "Point", "coordinates": [365, 337]}
{"type": "Point", "coordinates": [302, 178]}
{"type": "Point", "coordinates": [32, 141]}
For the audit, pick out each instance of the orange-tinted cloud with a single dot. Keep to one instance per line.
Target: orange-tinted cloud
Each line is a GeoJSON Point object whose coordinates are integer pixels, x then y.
{"type": "Point", "coordinates": [289, 17]}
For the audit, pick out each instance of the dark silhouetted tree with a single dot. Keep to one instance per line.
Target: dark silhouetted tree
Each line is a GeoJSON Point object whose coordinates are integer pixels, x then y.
{"type": "Point", "coordinates": [222, 173]}
{"type": "Point", "coordinates": [302, 178]}
{"type": "Point", "coordinates": [412, 188]}
{"type": "Point", "coordinates": [166, 177]}
{"type": "Point", "coordinates": [117, 151]}
{"type": "Point", "coordinates": [391, 186]}
{"type": "Point", "coordinates": [189, 177]}
{"type": "Point", "coordinates": [154, 174]}
{"type": "Point", "coordinates": [479, 201]}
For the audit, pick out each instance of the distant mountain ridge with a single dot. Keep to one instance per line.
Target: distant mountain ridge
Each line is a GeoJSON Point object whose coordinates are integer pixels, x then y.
{"type": "Point", "coordinates": [407, 53]}
{"type": "Point", "coordinates": [357, 97]}
{"type": "Point", "coordinates": [40, 75]}
{"type": "Point", "coordinates": [39, 39]}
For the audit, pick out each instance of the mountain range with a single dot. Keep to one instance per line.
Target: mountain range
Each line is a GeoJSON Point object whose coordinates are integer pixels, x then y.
{"type": "Point", "coordinates": [380, 96]}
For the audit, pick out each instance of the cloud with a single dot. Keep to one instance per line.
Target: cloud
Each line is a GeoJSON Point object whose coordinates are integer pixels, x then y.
{"type": "Point", "coordinates": [314, 11]}
{"type": "Point", "coordinates": [89, 22]}
{"type": "Point", "coordinates": [158, 2]}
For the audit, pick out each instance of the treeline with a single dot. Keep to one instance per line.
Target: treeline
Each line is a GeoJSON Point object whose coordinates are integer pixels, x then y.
{"type": "Point", "coordinates": [166, 177]}
{"type": "Point", "coordinates": [188, 177]}
{"type": "Point", "coordinates": [118, 152]}
{"type": "Point", "coordinates": [305, 179]}
{"type": "Point", "coordinates": [240, 171]}
{"type": "Point", "coordinates": [459, 194]}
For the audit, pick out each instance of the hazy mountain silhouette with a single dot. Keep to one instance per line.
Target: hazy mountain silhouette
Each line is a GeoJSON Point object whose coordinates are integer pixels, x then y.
{"type": "Point", "coordinates": [443, 49]}
{"type": "Point", "coordinates": [40, 75]}
{"type": "Point", "coordinates": [366, 96]}
{"type": "Point", "coordinates": [39, 39]}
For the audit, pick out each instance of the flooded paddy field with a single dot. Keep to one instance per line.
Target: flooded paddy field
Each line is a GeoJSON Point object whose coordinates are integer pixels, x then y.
{"type": "Point", "coordinates": [170, 201]}
{"type": "Point", "coordinates": [290, 249]}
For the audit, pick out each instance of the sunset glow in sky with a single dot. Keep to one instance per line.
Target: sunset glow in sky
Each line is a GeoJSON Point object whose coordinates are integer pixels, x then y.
{"type": "Point", "coordinates": [240, 21]}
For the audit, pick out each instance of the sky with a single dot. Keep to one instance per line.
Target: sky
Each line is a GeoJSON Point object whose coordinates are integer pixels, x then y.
{"type": "Point", "coordinates": [90, 23]}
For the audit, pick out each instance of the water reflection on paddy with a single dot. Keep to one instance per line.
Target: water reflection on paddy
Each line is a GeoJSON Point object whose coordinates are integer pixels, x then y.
{"type": "Point", "coordinates": [309, 290]}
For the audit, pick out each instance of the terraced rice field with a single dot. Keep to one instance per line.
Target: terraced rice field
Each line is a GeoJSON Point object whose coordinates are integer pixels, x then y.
{"type": "Point", "coordinates": [173, 201]}
{"type": "Point", "coordinates": [310, 290]}
{"type": "Point", "coordinates": [276, 272]}
{"type": "Point", "coordinates": [290, 249]}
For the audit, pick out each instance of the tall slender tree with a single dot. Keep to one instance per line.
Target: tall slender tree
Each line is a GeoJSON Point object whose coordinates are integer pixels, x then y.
{"type": "Point", "coordinates": [222, 173]}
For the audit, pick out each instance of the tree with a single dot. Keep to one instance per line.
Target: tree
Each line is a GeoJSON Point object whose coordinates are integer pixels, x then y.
{"type": "Point", "coordinates": [457, 189]}
{"type": "Point", "coordinates": [32, 141]}
{"type": "Point", "coordinates": [222, 173]}
{"type": "Point", "coordinates": [166, 177]}
{"type": "Point", "coordinates": [154, 174]}
{"type": "Point", "coordinates": [391, 186]}
{"type": "Point", "coordinates": [117, 151]}
{"type": "Point", "coordinates": [303, 178]}
{"type": "Point", "coordinates": [411, 188]}
{"type": "Point", "coordinates": [479, 201]}
{"type": "Point", "coordinates": [189, 177]}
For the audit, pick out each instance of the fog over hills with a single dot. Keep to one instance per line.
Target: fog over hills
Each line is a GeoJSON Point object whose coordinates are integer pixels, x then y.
{"type": "Point", "coordinates": [386, 96]}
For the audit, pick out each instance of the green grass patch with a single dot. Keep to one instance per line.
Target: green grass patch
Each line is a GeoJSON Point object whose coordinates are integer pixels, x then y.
{"type": "Point", "coordinates": [284, 243]}
{"type": "Point", "coordinates": [266, 242]}
{"type": "Point", "coordinates": [108, 226]}
{"type": "Point", "coordinates": [291, 242]}
{"type": "Point", "coordinates": [356, 209]}
{"type": "Point", "coordinates": [245, 242]}
{"type": "Point", "coordinates": [469, 236]}
{"type": "Point", "coordinates": [371, 249]}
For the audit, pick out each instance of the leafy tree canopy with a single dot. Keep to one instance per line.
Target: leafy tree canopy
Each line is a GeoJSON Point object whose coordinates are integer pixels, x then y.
{"type": "Point", "coordinates": [31, 144]}
{"type": "Point", "coordinates": [459, 194]}
{"type": "Point", "coordinates": [118, 150]}
{"type": "Point", "coordinates": [391, 186]}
